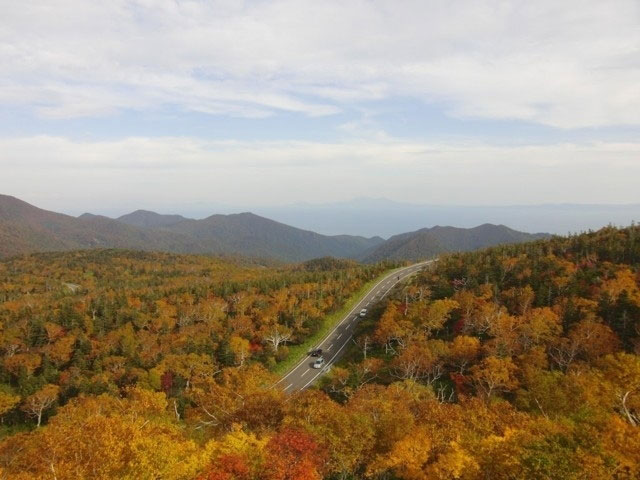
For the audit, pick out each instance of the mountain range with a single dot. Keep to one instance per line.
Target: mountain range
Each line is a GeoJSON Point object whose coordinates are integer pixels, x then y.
{"type": "Point", "coordinates": [25, 228]}
{"type": "Point", "coordinates": [384, 217]}
{"type": "Point", "coordinates": [429, 242]}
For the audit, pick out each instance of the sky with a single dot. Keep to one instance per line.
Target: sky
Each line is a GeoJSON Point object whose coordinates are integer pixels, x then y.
{"type": "Point", "coordinates": [118, 105]}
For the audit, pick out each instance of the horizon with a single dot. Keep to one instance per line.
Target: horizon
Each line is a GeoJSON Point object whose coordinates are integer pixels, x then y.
{"type": "Point", "coordinates": [164, 104]}
{"type": "Point", "coordinates": [301, 239]}
{"type": "Point", "coordinates": [381, 217]}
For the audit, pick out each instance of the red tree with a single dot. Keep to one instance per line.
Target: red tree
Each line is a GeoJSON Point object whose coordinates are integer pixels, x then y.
{"type": "Point", "coordinates": [293, 455]}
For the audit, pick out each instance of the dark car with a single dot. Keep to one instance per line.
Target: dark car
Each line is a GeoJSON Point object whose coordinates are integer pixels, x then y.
{"type": "Point", "coordinates": [316, 353]}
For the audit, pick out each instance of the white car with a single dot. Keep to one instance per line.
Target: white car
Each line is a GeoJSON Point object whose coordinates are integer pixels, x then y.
{"type": "Point", "coordinates": [319, 363]}
{"type": "Point", "coordinates": [363, 312]}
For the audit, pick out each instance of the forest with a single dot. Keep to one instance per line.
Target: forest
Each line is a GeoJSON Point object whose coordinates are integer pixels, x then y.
{"type": "Point", "coordinates": [515, 362]}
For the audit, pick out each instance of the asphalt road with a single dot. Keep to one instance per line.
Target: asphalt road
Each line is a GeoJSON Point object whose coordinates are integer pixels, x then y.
{"type": "Point", "coordinates": [303, 375]}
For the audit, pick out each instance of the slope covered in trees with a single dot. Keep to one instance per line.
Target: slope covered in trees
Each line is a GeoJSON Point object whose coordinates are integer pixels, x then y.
{"type": "Point", "coordinates": [431, 242]}
{"type": "Point", "coordinates": [26, 229]}
{"type": "Point", "coordinates": [517, 362]}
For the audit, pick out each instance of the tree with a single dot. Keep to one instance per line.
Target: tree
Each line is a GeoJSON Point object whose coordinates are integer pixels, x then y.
{"type": "Point", "coordinates": [392, 328]}
{"type": "Point", "coordinates": [493, 375]}
{"type": "Point", "coordinates": [276, 335]}
{"type": "Point", "coordinates": [418, 362]}
{"type": "Point", "coordinates": [103, 437]}
{"type": "Point", "coordinates": [61, 350]}
{"type": "Point", "coordinates": [293, 454]}
{"type": "Point", "coordinates": [588, 338]}
{"type": "Point", "coordinates": [36, 404]}
{"type": "Point", "coordinates": [623, 371]}
{"type": "Point", "coordinates": [240, 348]}
{"type": "Point", "coordinates": [228, 467]}
{"type": "Point", "coordinates": [192, 367]}
{"type": "Point", "coordinates": [463, 351]}
{"type": "Point", "coordinates": [540, 326]}
{"type": "Point", "coordinates": [437, 314]}
{"type": "Point", "coordinates": [22, 362]}
{"type": "Point", "coordinates": [414, 458]}
{"type": "Point", "coordinates": [7, 402]}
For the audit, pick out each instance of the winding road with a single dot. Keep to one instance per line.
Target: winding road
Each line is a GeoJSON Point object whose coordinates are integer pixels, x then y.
{"type": "Point", "coordinates": [303, 375]}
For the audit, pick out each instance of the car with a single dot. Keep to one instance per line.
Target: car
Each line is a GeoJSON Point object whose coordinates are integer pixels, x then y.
{"type": "Point", "coordinates": [363, 312]}
{"type": "Point", "coordinates": [316, 353]}
{"type": "Point", "coordinates": [319, 363]}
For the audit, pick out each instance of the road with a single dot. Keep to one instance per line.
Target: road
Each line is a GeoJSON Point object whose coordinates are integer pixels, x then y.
{"type": "Point", "coordinates": [303, 375]}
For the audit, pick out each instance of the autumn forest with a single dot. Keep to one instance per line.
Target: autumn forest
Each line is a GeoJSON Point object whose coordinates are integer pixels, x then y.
{"type": "Point", "coordinates": [514, 362]}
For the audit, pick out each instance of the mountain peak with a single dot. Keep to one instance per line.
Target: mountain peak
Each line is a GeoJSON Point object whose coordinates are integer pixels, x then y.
{"type": "Point", "coordinates": [149, 219]}
{"type": "Point", "coordinates": [430, 242]}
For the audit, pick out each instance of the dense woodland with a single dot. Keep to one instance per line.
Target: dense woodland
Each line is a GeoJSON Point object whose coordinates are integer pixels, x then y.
{"type": "Point", "coordinates": [517, 362]}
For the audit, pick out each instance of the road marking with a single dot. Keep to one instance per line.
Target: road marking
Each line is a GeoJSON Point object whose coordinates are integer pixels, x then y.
{"type": "Point", "coordinates": [338, 336]}
{"type": "Point", "coordinates": [305, 372]}
{"type": "Point", "coordinates": [328, 363]}
{"type": "Point", "coordinates": [329, 347]}
{"type": "Point", "coordinates": [346, 318]}
{"type": "Point", "coordinates": [289, 386]}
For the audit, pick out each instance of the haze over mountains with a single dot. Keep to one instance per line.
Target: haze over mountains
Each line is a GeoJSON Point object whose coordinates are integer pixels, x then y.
{"type": "Point", "coordinates": [384, 217]}
{"type": "Point", "coordinates": [380, 216]}
{"type": "Point", "coordinates": [429, 242]}
{"type": "Point", "coordinates": [25, 228]}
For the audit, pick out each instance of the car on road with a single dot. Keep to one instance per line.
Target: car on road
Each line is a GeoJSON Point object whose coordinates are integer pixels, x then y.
{"type": "Point", "coordinates": [319, 363]}
{"type": "Point", "coordinates": [363, 312]}
{"type": "Point", "coordinates": [316, 352]}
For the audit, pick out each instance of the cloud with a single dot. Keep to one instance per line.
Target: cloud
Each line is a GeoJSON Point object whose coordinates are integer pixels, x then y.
{"type": "Point", "coordinates": [62, 173]}
{"type": "Point", "coordinates": [565, 64]}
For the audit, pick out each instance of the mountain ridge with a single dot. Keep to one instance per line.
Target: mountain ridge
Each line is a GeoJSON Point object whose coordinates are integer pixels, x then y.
{"type": "Point", "coordinates": [430, 242]}
{"type": "Point", "coordinates": [25, 228]}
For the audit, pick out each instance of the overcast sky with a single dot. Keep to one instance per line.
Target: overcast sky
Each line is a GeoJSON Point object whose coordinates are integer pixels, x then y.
{"type": "Point", "coordinates": [117, 105]}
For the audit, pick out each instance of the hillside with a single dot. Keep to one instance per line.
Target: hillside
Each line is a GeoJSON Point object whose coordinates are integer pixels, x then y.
{"type": "Point", "coordinates": [147, 219]}
{"type": "Point", "coordinates": [430, 242]}
{"type": "Point", "coordinates": [514, 362]}
{"type": "Point", "coordinates": [25, 228]}
{"type": "Point", "coordinates": [252, 235]}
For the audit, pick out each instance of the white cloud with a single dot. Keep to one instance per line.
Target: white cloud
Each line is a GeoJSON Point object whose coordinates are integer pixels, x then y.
{"type": "Point", "coordinates": [147, 172]}
{"type": "Point", "coordinates": [566, 64]}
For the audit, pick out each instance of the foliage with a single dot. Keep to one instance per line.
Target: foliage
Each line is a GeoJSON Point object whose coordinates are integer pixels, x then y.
{"type": "Point", "coordinates": [517, 362]}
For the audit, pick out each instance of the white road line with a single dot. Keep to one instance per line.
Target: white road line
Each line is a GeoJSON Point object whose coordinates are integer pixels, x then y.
{"type": "Point", "coordinates": [337, 326]}
{"type": "Point", "coordinates": [305, 372]}
{"type": "Point", "coordinates": [328, 363]}
{"type": "Point", "coordinates": [289, 386]}
{"type": "Point", "coordinates": [338, 336]}
{"type": "Point", "coordinates": [329, 347]}
{"type": "Point", "coordinates": [346, 319]}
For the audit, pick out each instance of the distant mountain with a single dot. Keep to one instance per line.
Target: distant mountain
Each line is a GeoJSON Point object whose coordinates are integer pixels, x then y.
{"type": "Point", "coordinates": [251, 235]}
{"type": "Point", "coordinates": [25, 228]}
{"type": "Point", "coordinates": [378, 216]}
{"type": "Point", "coordinates": [147, 219]}
{"type": "Point", "coordinates": [430, 242]}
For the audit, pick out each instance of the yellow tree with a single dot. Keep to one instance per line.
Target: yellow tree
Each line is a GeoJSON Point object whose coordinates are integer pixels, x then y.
{"type": "Point", "coordinates": [240, 348]}
{"type": "Point", "coordinates": [7, 402]}
{"type": "Point", "coordinates": [494, 375]}
{"type": "Point", "coordinates": [463, 351]}
{"type": "Point", "coordinates": [623, 371]}
{"type": "Point", "coordinates": [35, 405]}
{"type": "Point", "coordinates": [105, 438]}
